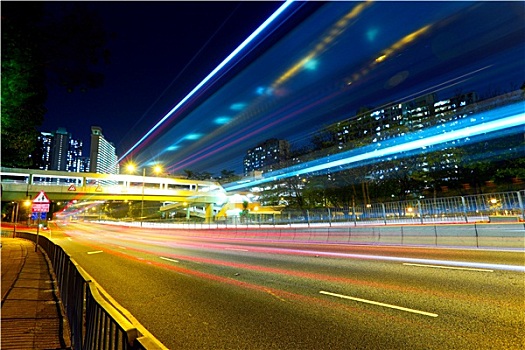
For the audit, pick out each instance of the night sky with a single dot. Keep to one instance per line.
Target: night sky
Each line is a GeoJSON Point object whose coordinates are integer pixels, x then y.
{"type": "Point", "coordinates": [319, 67]}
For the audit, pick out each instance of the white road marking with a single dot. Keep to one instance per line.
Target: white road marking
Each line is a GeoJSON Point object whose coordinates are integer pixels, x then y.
{"type": "Point", "coordinates": [69, 239]}
{"type": "Point", "coordinates": [237, 249]}
{"type": "Point", "coordinates": [168, 259]}
{"type": "Point", "coordinates": [380, 304]}
{"type": "Point", "coordinates": [120, 247]}
{"type": "Point", "coordinates": [449, 267]}
{"type": "Point", "coordinates": [95, 252]}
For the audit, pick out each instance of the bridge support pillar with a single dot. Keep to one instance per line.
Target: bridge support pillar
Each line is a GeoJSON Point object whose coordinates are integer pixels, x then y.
{"type": "Point", "coordinates": [209, 213]}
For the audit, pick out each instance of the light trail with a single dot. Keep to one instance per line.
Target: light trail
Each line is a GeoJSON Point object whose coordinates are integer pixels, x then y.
{"type": "Point", "coordinates": [500, 119]}
{"type": "Point", "coordinates": [196, 89]}
{"type": "Point", "coordinates": [261, 124]}
{"type": "Point", "coordinates": [420, 261]}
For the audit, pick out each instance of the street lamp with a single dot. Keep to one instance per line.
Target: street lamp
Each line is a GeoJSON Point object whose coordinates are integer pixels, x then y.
{"type": "Point", "coordinates": [15, 214]}
{"type": "Point", "coordinates": [157, 169]}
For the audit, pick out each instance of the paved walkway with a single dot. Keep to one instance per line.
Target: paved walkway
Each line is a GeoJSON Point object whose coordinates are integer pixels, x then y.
{"type": "Point", "coordinates": [31, 313]}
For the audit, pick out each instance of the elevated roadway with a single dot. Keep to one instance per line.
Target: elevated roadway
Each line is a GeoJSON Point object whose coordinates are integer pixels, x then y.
{"type": "Point", "coordinates": [21, 184]}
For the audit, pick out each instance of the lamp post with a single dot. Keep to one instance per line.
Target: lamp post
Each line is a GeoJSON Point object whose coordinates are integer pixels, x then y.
{"type": "Point", "coordinates": [27, 203]}
{"type": "Point", "coordinates": [14, 217]}
{"type": "Point", "coordinates": [157, 169]}
{"type": "Point", "coordinates": [142, 203]}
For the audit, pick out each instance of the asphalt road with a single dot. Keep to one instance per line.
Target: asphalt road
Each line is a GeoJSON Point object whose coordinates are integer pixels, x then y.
{"type": "Point", "coordinates": [225, 293]}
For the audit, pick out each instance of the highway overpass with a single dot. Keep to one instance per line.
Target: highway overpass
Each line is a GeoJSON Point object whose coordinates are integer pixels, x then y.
{"type": "Point", "coordinates": [21, 184]}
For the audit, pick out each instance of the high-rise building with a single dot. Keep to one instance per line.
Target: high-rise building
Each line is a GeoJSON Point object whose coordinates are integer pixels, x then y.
{"type": "Point", "coordinates": [42, 155]}
{"type": "Point", "coordinates": [82, 164]}
{"type": "Point", "coordinates": [265, 155]}
{"type": "Point", "coordinates": [103, 158]}
{"type": "Point", "coordinates": [74, 156]}
{"type": "Point", "coordinates": [59, 151]}
{"type": "Point", "coordinates": [374, 126]}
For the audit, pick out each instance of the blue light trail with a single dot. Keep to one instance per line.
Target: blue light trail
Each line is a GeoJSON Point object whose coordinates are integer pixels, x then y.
{"type": "Point", "coordinates": [482, 124]}
{"type": "Point", "coordinates": [232, 55]}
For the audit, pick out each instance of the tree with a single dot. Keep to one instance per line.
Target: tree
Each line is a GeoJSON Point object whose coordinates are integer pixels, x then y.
{"type": "Point", "coordinates": [39, 50]}
{"type": "Point", "coordinates": [193, 175]}
{"type": "Point", "coordinates": [227, 176]}
{"type": "Point", "coordinates": [23, 89]}
{"type": "Point", "coordinates": [245, 211]}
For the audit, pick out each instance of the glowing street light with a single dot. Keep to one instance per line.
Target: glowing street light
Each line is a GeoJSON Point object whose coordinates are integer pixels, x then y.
{"type": "Point", "coordinates": [157, 169]}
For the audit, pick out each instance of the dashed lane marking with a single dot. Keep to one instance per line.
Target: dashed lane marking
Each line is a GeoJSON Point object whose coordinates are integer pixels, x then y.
{"type": "Point", "coordinates": [95, 252]}
{"type": "Point", "coordinates": [449, 267]}
{"type": "Point", "coordinates": [379, 304]}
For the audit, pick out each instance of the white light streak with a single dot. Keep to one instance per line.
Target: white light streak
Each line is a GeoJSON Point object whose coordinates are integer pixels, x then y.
{"type": "Point", "coordinates": [213, 73]}
{"type": "Point", "coordinates": [503, 118]}
{"type": "Point", "coordinates": [490, 266]}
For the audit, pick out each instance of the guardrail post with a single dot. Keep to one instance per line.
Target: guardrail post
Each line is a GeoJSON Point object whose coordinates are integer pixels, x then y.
{"type": "Point", "coordinates": [520, 201]}
{"type": "Point", "coordinates": [419, 211]}
{"type": "Point", "coordinates": [308, 217]}
{"type": "Point", "coordinates": [477, 235]}
{"type": "Point", "coordinates": [464, 204]}
{"type": "Point", "coordinates": [353, 213]}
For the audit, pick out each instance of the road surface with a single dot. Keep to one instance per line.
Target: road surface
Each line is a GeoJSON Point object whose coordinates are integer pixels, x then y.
{"type": "Point", "coordinates": [226, 293]}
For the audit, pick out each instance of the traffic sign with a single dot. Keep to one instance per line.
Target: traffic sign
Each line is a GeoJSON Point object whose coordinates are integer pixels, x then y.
{"type": "Point", "coordinates": [72, 188]}
{"type": "Point", "coordinates": [41, 198]}
{"type": "Point", "coordinates": [40, 208]}
{"type": "Point", "coordinates": [35, 216]}
{"type": "Point", "coordinates": [41, 203]}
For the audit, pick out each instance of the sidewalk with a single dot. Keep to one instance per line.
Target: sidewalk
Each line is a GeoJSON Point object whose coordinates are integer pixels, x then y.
{"type": "Point", "coordinates": [31, 315]}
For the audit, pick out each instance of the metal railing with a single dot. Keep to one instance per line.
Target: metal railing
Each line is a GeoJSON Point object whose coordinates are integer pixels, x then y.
{"type": "Point", "coordinates": [94, 322]}
{"type": "Point", "coordinates": [464, 209]}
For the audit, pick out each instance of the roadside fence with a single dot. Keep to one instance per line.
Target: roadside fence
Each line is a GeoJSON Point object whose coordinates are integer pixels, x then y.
{"type": "Point", "coordinates": [94, 322]}
{"type": "Point", "coordinates": [491, 207]}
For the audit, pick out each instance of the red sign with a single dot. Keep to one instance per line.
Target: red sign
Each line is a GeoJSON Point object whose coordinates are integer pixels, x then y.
{"type": "Point", "coordinates": [40, 208]}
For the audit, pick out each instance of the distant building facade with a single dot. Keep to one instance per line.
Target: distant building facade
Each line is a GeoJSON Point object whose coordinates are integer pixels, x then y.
{"type": "Point", "coordinates": [60, 150]}
{"type": "Point", "coordinates": [57, 151]}
{"type": "Point", "coordinates": [265, 155]}
{"type": "Point", "coordinates": [375, 126]}
{"type": "Point", "coordinates": [42, 155]}
{"type": "Point", "coordinates": [103, 157]}
{"type": "Point", "coordinates": [82, 164]}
